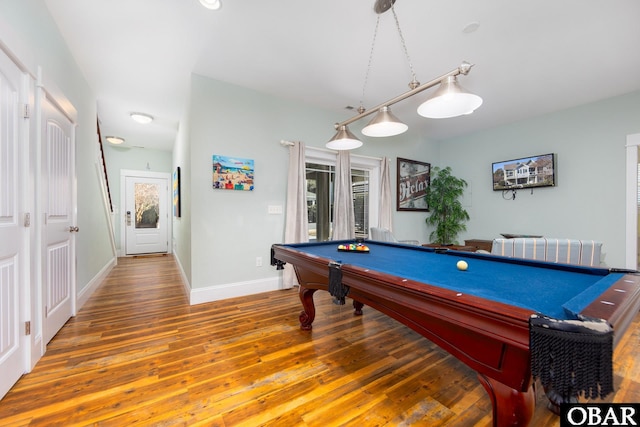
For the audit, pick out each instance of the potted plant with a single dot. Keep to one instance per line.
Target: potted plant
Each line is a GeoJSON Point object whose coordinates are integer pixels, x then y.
{"type": "Point", "coordinates": [443, 200]}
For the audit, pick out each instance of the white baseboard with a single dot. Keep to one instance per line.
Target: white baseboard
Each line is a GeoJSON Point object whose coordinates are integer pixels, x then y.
{"type": "Point", "coordinates": [87, 291]}
{"type": "Point", "coordinates": [185, 281]}
{"type": "Point", "coordinates": [232, 290]}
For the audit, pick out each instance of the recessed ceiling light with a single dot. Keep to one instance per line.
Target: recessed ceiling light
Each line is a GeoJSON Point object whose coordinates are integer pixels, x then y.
{"type": "Point", "coordinates": [142, 118]}
{"type": "Point", "coordinates": [211, 4]}
{"type": "Point", "coordinates": [115, 140]}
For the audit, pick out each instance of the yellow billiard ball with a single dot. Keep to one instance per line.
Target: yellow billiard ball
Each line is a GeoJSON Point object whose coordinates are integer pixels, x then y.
{"type": "Point", "coordinates": [462, 265]}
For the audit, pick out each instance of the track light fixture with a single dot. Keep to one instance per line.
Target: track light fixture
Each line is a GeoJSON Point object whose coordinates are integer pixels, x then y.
{"type": "Point", "coordinates": [450, 100]}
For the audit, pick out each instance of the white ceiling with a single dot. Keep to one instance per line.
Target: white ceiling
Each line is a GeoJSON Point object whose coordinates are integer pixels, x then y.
{"type": "Point", "coordinates": [531, 57]}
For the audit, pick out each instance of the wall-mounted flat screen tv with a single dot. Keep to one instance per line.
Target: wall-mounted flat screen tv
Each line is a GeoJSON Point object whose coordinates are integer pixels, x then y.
{"type": "Point", "coordinates": [527, 172]}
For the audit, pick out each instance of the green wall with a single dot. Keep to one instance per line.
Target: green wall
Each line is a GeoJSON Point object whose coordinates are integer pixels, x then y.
{"type": "Point", "coordinates": [589, 199]}
{"type": "Point", "coordinates": [229, 229]}
{"type": "Point", "coordinates": [221, 233]}
{"type": "Point", "coordinates": [29, 32]}
{"type": "Point", "coordinates": [130, 158]}
{"type": "Point", "coordinates": [226, 231]}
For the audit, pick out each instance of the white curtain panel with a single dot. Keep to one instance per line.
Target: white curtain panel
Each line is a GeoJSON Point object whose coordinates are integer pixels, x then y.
{"type": "Point", "coordinates": [386, 203]}
{"type": "Point", "coordinates": [296, 228]}
{"type": "Point", "coordinates": [343, 216]}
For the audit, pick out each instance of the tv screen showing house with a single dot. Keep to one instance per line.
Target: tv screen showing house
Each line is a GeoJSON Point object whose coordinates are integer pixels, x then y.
{"type": "Point", "coordinates": [527, 172]}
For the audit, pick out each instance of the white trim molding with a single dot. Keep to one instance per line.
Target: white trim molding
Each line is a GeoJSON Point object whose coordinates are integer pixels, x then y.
{"type": "Point", "coordinates": [185, 281]}
{"type": "Point", "coordinates": [86, 292]}
{"type": "Point", "coordinates": [631, 201]}
{"type": "Point", "coordinates": [233, 290]}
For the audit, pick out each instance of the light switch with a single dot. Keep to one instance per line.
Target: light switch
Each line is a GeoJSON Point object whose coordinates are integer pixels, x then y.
{"type": "Point", "coordinates": [274, 209]}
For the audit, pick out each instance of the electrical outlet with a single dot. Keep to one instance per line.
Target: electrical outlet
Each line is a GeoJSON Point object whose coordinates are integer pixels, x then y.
{"type": "Point", "coordinates": [259, 261]}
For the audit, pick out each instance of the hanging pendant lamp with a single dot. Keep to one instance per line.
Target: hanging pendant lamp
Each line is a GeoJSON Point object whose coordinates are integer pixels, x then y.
{"type": "Point", "coordinates": [384, 124]}
{"type": "Point", "coordinates": [450, 100]}
{"type": "Point", "coordinates": [344, 140]}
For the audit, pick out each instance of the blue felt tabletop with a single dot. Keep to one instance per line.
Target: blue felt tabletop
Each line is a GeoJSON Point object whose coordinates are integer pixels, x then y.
{"type": "Point", "coordinates": [539, 286]}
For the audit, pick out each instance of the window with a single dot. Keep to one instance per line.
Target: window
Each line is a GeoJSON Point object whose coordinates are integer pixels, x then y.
{"type": "Point", "coordinates": [320, 175]}
{"type": "Point", "coordinates": [320, 180]}
{"type": "Point", "coordinates": [360, 190]}
{"type": "Point", "coordinates": [147, 205]}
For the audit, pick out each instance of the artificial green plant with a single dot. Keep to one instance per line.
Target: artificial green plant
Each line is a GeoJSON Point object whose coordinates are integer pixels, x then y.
{"type": "Point", "coordinates": [443, 200]}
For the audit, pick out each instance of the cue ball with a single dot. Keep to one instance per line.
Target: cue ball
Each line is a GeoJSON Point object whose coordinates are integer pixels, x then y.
{"type": "Point", "coordinates": [462, 265]}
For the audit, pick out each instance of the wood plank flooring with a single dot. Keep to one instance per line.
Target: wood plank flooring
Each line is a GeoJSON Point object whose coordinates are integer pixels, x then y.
{"type": "Point", "coordinates": [138, 354]}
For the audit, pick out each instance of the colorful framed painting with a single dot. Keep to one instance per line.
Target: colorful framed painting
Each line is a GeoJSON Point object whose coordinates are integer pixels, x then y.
{"type": "Point", "coordinates": [413, 179]}
{"type": "Point", "coordinates": [232, 173]}
{"type": "Point", "coordinates": [176, 192]}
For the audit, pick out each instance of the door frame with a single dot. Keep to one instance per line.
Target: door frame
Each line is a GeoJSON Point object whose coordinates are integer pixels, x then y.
{"type": "Point", "coordinates": [24, 105]}
{"type": "Point", "coordinates": [631, 201]}
{"type": "Point", "coordinates": [30, 208]}
{"type": "Point", "coordinates": [124, 173]}
{"type": "Point", "coordinates": [44, 97]}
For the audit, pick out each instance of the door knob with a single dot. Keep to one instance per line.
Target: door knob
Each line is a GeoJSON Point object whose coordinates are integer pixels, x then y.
{"type": "Point", "coordinates": [128, 217]}
{"type": "Point", "coordinates": [73, 229]}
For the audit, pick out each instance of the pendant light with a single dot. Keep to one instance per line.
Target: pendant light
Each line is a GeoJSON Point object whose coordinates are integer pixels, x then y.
{"type": "Point", "coordinates": [344, 140]}
{"type": "Point", "coordinates": [384, 124]}
{"type": "Point", "coordinates": [450, 100]}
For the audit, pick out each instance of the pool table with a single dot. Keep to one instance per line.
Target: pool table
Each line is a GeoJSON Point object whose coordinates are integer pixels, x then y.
{"type": "Point", "coordinates": [481, 315]}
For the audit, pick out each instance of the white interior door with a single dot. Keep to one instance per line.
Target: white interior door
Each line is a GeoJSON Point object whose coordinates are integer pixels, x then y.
{"type": "Point", "coordinates": [12, 244]}
{"type": "Point", "coordinates": [58, 201]}
{"type": "Point", "coordinates": [146, 216]}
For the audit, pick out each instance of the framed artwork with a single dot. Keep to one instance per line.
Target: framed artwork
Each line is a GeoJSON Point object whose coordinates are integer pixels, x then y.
{"type": "Point", "coordinates": [176, 192]}
{"type": "Point", "coordinates": [232, 173]}
{"type": "Point", "coordinates": [413, 179]}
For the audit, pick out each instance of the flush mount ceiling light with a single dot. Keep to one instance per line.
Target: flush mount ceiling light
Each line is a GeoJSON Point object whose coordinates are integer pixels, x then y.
{"type": "Point", "coordinates": [211, 4]}
{"type": "Point", "coordinates": [115, 140]}
{"type": "Point", "coordinates": [451, 100]}
{"type": "Point", "coordinates": [141, 118]}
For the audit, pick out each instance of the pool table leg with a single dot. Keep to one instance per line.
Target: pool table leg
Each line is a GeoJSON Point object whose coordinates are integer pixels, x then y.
{"type": "Point", "coordinates": [308, 314]}
{"type": "Point", "coordinates": [357, 308]}
{"type": "Point", "coordinates": [510, 407]}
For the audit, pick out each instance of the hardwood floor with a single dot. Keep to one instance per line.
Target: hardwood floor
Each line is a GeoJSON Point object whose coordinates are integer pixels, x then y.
{"type": "Point", "coordinates": [138, 354]}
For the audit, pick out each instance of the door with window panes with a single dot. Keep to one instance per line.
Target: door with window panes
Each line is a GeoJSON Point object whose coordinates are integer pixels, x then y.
{"type": "Point", "coordinates": [320, 190]}
{"type": "Point", "coordinates": [146, 218]}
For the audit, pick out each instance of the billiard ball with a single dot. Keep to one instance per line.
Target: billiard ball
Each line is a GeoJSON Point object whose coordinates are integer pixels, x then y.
{"type": "Point", "coordinates": [462, 265]}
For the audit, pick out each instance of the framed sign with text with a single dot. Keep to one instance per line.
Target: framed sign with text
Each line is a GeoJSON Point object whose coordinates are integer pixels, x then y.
{"type": "Point", "coordinates": [413, 179]}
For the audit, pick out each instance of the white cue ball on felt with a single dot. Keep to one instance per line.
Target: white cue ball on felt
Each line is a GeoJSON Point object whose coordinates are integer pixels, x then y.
{"type": "Point", "coordinates": [462, 265]}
